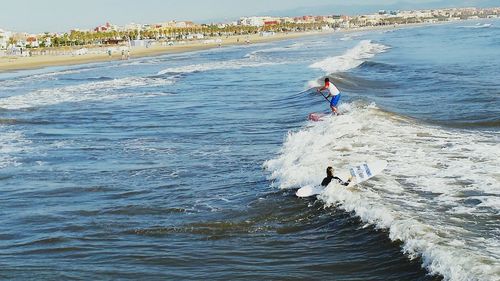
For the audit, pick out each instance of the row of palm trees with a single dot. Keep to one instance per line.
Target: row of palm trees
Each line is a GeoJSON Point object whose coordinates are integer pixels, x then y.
{"type": "Point", "coordinates": [88, 38]}
{"type": "Point", "coordinates": [84, 38]}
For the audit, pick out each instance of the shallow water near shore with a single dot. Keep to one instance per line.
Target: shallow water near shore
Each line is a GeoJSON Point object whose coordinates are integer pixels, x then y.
{"type": "Point", "coordinates": [184, 166]}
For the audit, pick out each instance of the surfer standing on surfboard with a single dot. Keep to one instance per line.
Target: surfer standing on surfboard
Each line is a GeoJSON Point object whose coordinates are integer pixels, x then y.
{"type": "Point", "coordinates": [332, 92]}
{"type": "Point", "coordinates": [330, 177]}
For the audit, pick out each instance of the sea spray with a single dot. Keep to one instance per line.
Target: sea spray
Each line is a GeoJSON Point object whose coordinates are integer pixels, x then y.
{"type": "Point", "coordinates": [419, 198]}
{"type": "Point", "coordinates": [352, 58]}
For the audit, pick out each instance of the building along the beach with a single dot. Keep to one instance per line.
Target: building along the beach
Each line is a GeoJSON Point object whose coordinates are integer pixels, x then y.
{"type": "Point", "coordinates": [4, 38]}
{"type": "Point", "coordinates": [255, 21]}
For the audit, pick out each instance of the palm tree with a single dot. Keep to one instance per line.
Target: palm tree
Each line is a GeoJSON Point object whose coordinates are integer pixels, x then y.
{"type": "Point", "coordinates": [12, 41]}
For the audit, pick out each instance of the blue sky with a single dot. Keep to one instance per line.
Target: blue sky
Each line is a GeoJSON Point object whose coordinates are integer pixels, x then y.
{"type": "Point", "coordinates": [62, 15]}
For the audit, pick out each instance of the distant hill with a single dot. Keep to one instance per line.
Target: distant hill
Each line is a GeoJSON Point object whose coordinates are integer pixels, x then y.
{"type": "Point", "coordinates": [353, 9]}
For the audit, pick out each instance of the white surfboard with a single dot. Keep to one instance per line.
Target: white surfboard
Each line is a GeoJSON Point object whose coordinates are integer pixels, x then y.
{"type": "Point", "coordinates": [359, 173]}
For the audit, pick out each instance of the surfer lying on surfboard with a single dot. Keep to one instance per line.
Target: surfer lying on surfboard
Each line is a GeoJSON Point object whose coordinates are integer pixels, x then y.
{"type": "Point", "coordinates": [358, 174]}
{"type": "Point", "coordinates": [332, 92]}
{"type": "Point", "coordinates": [330, 177]}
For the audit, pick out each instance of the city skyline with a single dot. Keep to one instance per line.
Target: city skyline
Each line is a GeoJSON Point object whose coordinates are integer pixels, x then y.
{"type": "Point", "coordinates": [60, 16]}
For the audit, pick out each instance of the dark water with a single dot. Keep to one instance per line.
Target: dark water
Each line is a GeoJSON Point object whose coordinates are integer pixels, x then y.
{"type": "Point", "coordinates": [158, 168]}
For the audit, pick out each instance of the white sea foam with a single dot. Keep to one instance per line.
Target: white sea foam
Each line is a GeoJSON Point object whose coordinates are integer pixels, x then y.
{"type": "Point", "coordinates": [439, 194]}
{"type": "Point", "coordinates": [142, 62]}
{"type": "Point", "coordinates": [12, 143]}
{"type": "Point", "coordinates": [20, 82]}
{"type": "Point", "coordinates": [257, 53]}
{"type": "Point", "coordinates": [223, 64]}
{"type": "Point", "coordinates": [485, 25]}
{"type": "Point", "coordinates": [103, 90]}
{"type": "Point", "coordinates": [298, 46]}
{"type": "Point", "coordinates": [351, 36]}
{"type": "Point", "coordinates": [351, 58]}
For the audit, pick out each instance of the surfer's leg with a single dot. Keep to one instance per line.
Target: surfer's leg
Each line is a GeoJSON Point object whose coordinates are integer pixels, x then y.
{"type": "Point", "coordinates": [334, 109]}
{"type": "Point", "coordinates": [334, 102]}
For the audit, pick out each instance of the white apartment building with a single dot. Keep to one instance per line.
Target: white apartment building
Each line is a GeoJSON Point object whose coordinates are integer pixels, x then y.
{"type": "Point", "coordinates": [416, 14]}
{"type": "Point", "coordinates": [254, 21]}
{"type": "Point", "coordinates": [4, 38]}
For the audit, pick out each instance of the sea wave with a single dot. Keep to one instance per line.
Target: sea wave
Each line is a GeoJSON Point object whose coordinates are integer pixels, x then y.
{"type": "Point", "coordinates": [264, 52]}
{"type": "Point", "coordinates": [484, 25]}
{"type": "Point", "coordinates": [352, 83]}
{"type": "Point", "coordinates": [439, 194]}
{"type": "Point", "coordinates": [216, 65]}
{"type": "Point", "coordinates": [12, 143]}
{"type": "Point", "coordinates": [378, 65]}
{"type": "Point", "coordinates": [352, 58]}
{"type": "Point", "coordinates": [102, 90]}
{"type": "Point", "coordinates": [19, 81]}
{"type": "Point", "coordinates": [100, 78]}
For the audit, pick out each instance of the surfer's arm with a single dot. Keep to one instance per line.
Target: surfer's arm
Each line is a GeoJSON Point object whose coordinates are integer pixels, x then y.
{"type": "Point", "coordinates": [344, 183]}
{"type": "Point", "coordinates": [348, 181]}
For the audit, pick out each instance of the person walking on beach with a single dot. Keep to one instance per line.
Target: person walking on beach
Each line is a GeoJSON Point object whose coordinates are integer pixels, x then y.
{"type": "Point", "coordinates": [330, 177]}
{"type": "Point", "coordinates": [332, 92]}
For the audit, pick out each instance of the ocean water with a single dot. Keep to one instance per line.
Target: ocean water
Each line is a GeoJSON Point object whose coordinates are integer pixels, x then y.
{"type": "Point", "coordinates": [184, 166]}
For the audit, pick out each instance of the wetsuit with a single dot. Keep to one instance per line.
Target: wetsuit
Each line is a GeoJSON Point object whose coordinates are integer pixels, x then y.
{"type": "Point", "coordinates": [327, 180]}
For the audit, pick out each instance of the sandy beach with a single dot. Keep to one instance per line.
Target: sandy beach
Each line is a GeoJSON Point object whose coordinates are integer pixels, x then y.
{"type": "Point", "coordinates": [12, 63]}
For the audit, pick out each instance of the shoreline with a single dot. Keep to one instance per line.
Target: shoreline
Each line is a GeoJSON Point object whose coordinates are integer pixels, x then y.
{"type": "Point", "coordinates": [10, 64]}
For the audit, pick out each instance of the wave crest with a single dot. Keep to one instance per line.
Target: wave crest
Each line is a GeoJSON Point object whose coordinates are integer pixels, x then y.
{"type": "Point", "coordinates": [438, 195]}
{"type": "Point", "coordinates": [93, 91]}
{"type": "Point", "coordinates": [351, 58]}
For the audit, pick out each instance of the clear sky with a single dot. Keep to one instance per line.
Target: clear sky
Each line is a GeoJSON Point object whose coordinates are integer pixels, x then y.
{"type": "Point", "coordinates": [62, 15]}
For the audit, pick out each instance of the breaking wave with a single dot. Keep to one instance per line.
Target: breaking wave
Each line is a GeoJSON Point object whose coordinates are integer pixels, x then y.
{"type": "Point", "coordinates": [102, 90]}
{"type": "Point", "coordinates": [216, 65]}
{"type": "Point", "coordinates": [351, 58]}
{"type": "Point", "coordinates": [439, 194]}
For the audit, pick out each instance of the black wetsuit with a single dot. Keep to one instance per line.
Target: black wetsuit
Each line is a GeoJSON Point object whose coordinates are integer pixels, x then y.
{"type": "Point", "coordinates": [327, 180]}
